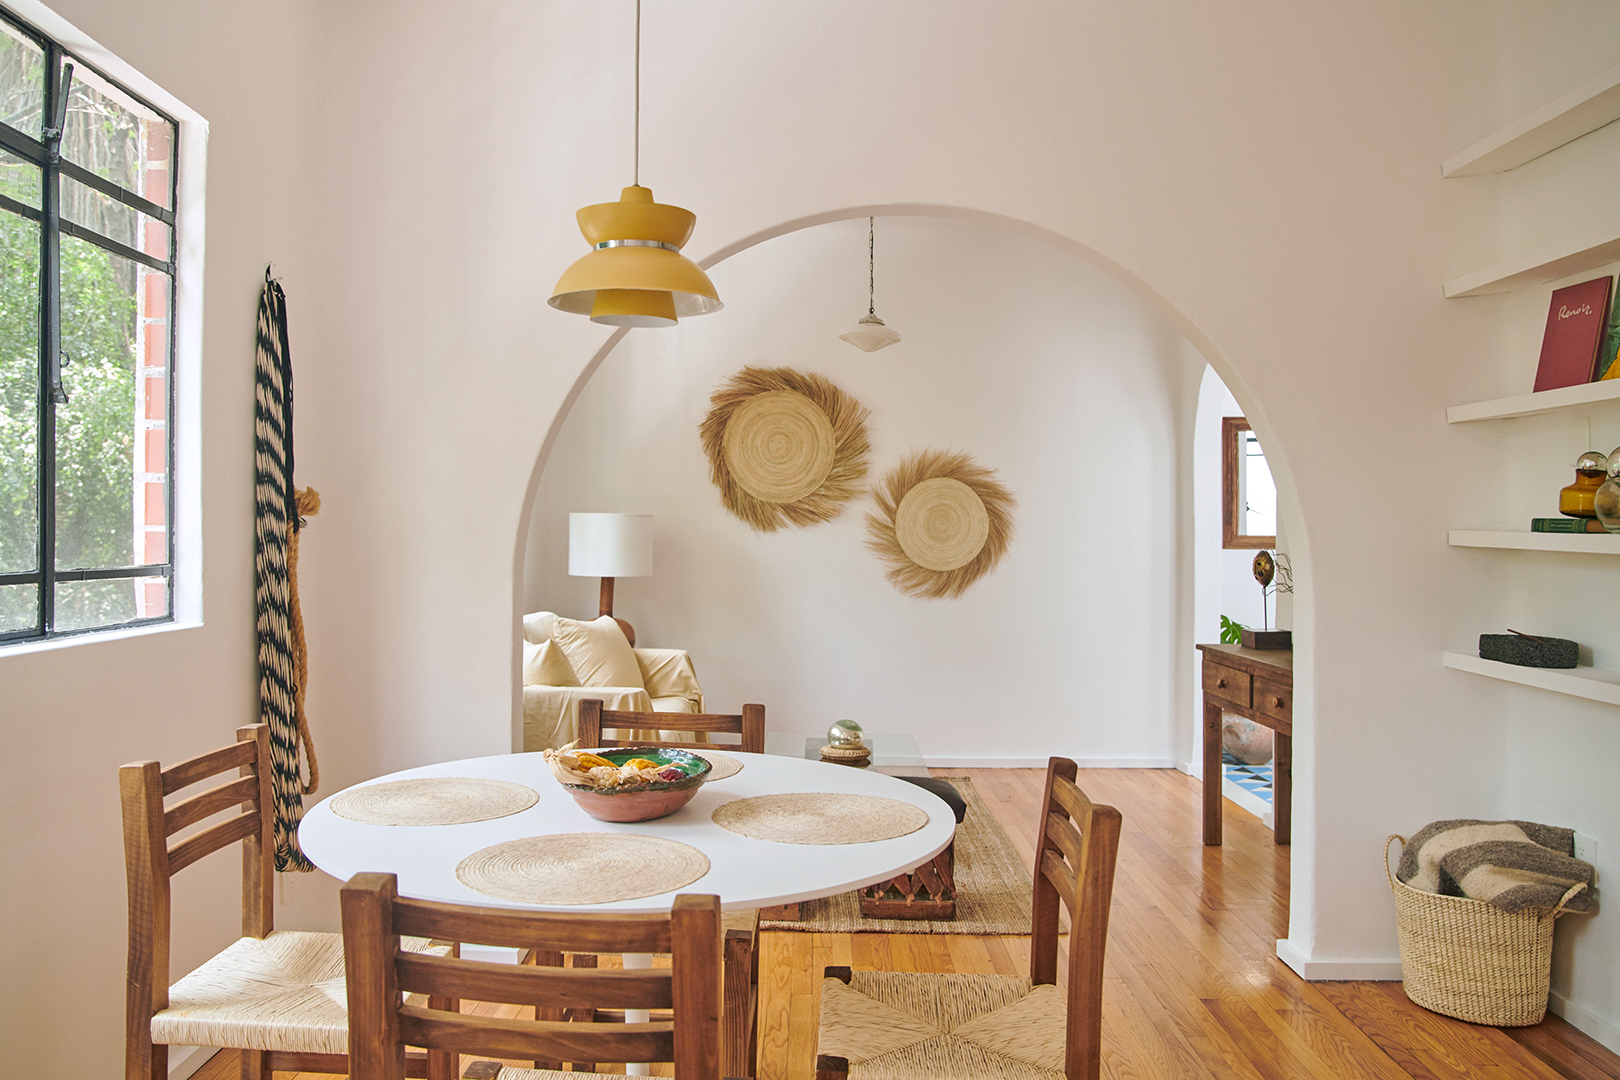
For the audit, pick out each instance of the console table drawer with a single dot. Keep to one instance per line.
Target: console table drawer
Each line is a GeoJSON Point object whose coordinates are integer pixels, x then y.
{"type": "Point", "coordinates": [1274, 700]}
{"type": "Point", "coordinates": [1228, 684]}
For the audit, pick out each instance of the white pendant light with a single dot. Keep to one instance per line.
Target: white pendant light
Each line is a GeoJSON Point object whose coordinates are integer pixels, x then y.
{"type": "Point", "coordinates": [871, 334]}
{"type": "Point", "coordinates": [635, 274]}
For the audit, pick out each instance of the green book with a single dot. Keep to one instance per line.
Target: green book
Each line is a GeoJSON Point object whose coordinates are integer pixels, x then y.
{"type": "Point", "coordinates": [1567, 525]}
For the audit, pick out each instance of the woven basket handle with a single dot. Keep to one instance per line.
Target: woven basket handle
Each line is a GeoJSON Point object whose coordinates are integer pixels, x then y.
{"type": "Point", "coordinates": [1389, 876]}
{"type": "Point", "coordinates": [1568, 896]}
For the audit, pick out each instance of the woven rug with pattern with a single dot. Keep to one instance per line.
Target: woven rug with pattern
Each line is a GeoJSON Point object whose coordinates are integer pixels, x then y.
{"type": "Point", "coordinates": [993, 889]}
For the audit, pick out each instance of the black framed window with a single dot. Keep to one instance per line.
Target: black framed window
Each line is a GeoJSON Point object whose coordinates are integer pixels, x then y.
{"type": "Point", "coordinates": [87, 261]}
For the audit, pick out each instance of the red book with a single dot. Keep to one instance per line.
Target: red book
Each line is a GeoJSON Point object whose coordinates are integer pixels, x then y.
{"type": "Point", "coordinates": [1575, 324]}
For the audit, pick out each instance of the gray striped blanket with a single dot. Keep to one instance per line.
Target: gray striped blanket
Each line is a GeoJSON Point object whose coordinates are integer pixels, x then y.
{"type": "Point", "coordinates": [1513, 865]}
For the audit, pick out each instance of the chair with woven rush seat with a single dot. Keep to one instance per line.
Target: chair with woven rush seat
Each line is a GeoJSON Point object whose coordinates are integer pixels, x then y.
{"type": "Point", "coordinates": [749, 725]}
{"type": "Point", "coordinates": [276, 995]}
{"type": "Point", "coordinates": [741, 1040]}
{"type": "Point", "coordinates": [899, 1025]}
{"type": "Point", "coordinates": [375, 917]}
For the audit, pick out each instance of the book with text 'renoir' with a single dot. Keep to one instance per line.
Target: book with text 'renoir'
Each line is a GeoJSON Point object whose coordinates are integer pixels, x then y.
{"type": "Point", "coordinates": [1575, 323]}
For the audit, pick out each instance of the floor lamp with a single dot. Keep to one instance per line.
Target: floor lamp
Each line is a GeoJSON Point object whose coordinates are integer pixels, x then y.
{"type": "Point", "coordinates": [610, 546]}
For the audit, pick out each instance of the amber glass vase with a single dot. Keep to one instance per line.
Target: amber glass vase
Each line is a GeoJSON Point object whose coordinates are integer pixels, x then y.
{"type": "Point", "coordinates": [1577, 500]}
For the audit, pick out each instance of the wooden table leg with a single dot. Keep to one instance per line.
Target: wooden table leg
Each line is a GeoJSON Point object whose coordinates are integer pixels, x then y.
{"type": "Point", "coordinates": [1212, 773]}
{"type": "Point", "coordinates": [1282, 789]}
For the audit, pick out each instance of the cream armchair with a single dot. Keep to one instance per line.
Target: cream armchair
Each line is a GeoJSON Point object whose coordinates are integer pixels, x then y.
{"type": "Point", "coordinates": [551, 711]}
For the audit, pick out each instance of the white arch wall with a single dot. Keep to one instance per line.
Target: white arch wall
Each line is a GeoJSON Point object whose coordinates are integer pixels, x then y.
{"type": "Point", "coordinates": [1038, 364]}
{"type": "Point", "coordinates": [1271, 170]}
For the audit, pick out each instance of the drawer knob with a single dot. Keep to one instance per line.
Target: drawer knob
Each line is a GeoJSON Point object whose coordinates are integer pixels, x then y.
{"type": "Point", "coordinates": [1277, 701]}
{"type": "Point", "coordinates": [1220, 684]}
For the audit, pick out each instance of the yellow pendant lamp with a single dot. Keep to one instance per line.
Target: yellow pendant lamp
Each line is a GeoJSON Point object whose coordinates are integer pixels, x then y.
{"type": "Point", "coordinates": [635, 274]}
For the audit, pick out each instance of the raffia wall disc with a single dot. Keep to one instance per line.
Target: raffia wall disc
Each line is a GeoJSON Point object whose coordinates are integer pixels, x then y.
{"type": "Point", "coordinates": [942, 524]}
{"type": "Point", "coordinates": [582, 868]}
{"type": "Point", "coordinates": [820, 817]}
{"type": "Point", "coordinates": [779, 446]}
{"type": "Point", "coordinates": [438, 800]}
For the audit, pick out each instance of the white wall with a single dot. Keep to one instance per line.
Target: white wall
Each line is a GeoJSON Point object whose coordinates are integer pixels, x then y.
{"type": "Point", "coordinates": [1266, 173]}
{"type": "Point", "coordinates": [1035, 362]}
{"type": "Point", "coordinates": [70, 715]}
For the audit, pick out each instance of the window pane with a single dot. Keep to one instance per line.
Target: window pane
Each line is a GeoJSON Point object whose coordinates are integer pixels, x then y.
{"type": "Point", "coordinates": [84, 605]}
{"type": "Point", "coordinates": [84, 205]}
{"type": "Point", "coordinates": [117, 138]}
{"type": "Point", "coordinates": [96, 486]}
{"type": "Point", "coordinates": [19, 179]}
{"type": "Point", "coordinates": [22, 82]}
{"type": "Point", "coordinates": [19, 394]}
{"type": "Point", "coordinates": [19, 607]}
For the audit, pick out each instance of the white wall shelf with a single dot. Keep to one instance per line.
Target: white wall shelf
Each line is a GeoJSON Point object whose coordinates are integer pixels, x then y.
{"type": "Point", "coordinates": [1594, 684]}
{"type": "Point", "coordinates": [1584, 109]}
{"type": "Point", "coordinates": [1565, 397]}
{"type": "Point", "coordinates": [1585, 543]}
{"type": "Point", "coordinates": [1550, 264]}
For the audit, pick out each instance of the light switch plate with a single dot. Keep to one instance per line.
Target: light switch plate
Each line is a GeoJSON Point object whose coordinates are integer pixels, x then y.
{"type": "Point", "coordinates": [1586, 848]}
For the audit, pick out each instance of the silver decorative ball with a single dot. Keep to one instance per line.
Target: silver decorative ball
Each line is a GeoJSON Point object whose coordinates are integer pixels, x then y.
{"type": "Point", "coordinates": [1592, 461]}
{"type": "Point", "coordinates": [844, 733]}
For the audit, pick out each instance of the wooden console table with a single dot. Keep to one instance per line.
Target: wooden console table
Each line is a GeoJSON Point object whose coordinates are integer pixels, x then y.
{"type": "Point", "coordinates": [1257, 684]}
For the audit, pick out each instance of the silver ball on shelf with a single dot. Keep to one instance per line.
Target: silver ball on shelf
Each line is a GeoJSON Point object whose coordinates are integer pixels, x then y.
{"type": "Point", "coordinates": [845, 733]}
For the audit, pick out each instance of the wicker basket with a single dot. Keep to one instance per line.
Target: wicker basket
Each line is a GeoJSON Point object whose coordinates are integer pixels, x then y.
{"type": "Point", "coordinates": [1467, 959]}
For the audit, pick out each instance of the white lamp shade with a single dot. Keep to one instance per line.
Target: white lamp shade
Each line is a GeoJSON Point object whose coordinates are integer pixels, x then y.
{"type": "Point", "coordinates": [610, 545]}
{"type": "Point", "coordinates": [870, 334]}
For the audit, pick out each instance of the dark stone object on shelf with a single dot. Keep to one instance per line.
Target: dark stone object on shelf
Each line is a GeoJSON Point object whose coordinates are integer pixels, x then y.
{"type": "Point", "coordinates": [1528, 651]}
{"type": "Point", "coordinates": [1267, 639]}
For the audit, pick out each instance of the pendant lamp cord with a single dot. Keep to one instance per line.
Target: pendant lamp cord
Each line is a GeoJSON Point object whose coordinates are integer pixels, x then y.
{"type": "Point", "coordinates": [637, 170]}
{"type": "Point", "coordinates": [871, 263]}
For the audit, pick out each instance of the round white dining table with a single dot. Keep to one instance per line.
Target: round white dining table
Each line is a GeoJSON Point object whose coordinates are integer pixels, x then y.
{"type": "Point", "coordinates": [743, 872]}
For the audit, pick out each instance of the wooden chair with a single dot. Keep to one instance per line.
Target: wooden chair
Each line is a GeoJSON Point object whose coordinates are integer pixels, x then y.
{"type": "Point", "coordinates": [271, 993]}
{"type": "Point", "coordinates": [740, 1056]}
{"type": "Point", "coordinates": [749, 724]}
{"type": "Point", "coordinates": [873, 1022]}
{"type": "Point", "coordinates": [375, 917]}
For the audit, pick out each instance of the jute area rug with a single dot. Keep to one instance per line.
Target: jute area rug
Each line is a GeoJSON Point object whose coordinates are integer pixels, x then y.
{"type": "Point", "coordinates": [993, 890]}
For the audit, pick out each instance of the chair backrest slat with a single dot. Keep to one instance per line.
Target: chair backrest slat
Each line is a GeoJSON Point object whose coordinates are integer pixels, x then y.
{"type": "Point", "coordinates": [210, 802]}
{"type": "Point", "coordinates": [1061, 831]}
{"type": "Point", "coordinates": [1076, 851]}
{"type": "Point", "coordinates": [563, 988]}
{"type": "Point", "coordinates": [381, 1023]}
{"type": "Point", "coordinates": [213, 838]}
{"type": "Point", "coordinates": [532, 929]}
{"type": "Point", "coordinates": [203, 766]}
{"type": "Point", "coordinates": [566, 1041]}
{"type": "Point", "coordinates": [749, 725]}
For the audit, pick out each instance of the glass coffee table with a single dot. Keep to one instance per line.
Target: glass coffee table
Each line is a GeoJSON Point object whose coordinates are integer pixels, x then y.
{"type": "Point", "coordinates": [893, 755]}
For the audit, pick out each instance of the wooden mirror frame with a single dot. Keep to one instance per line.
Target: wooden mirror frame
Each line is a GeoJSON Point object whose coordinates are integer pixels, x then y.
{"type": "Point", "coordinates": [1231, 426]}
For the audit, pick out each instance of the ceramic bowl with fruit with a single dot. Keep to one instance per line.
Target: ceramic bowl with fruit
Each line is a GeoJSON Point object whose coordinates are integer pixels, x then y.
{"type": "Point", "coordinates": [629, 783]}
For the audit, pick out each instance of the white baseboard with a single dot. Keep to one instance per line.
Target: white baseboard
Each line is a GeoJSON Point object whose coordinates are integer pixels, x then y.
{"type": "Point", "coordinates": [1040, 763]}
{"type": "Point", "coordinates": [1194, 769]}
{"type": "Point", "coordinates": [1336, 970]}
{"type": "Point", "coordinates": [185, 1060]}
{"type": "Point", "coordinates": [1600, 1028]}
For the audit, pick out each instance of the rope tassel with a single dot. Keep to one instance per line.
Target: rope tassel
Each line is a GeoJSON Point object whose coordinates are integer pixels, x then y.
{"type": "Point", "coordinates": [283, 660]}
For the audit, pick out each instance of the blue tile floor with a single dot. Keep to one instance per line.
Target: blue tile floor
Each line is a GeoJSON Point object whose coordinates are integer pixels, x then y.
{"type": "Point", "coordinates": [1255, 779]}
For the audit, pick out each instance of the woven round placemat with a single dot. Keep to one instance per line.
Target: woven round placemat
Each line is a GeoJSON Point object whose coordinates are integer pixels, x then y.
{"type": "Point", "coordinates": [942, 524]}
{"type": "Point", "coordinates": [724, 765]}
{"type": "Point", "coordinates": [581, 868]}
{"type": "Point", "coordinates": [436, 800]}
{"type": "Point", "coordinates": [820, 817]}
{"type": "Point", "coordinates": [779, 446]}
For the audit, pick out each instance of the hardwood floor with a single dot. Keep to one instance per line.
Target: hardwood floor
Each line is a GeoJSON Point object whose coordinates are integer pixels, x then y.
{"type": "Point", "coordinates": [1194, 987]}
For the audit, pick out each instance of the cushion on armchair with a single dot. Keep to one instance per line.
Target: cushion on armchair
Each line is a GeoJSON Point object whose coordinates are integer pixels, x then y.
{"type": "Point", "coordinates": [545, 665]}
{"type": "Point", "coordinates": [597, 651]}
